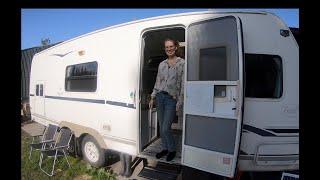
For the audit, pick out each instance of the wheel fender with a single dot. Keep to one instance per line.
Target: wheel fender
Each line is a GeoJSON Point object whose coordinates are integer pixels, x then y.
{"type": "Point", "coordinates": [79, 130]}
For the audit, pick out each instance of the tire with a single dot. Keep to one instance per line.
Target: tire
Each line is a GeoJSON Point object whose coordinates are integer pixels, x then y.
{"type": "Point", "coordinates": [92, 152]}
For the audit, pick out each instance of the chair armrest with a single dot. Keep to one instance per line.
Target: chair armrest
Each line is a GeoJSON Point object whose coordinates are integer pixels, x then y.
{"type": "Point", "coordinates": [54, 149]}
{"type": "Point", "coordinates": [44, 142]}
{"type": "Point", "coordinates": [47, 141]}
{"type": "Point", "coordinates": [37, 135]}
{"type": "Point", "coordinates": [43, 150]}
{"type": "Point", "coordinates": [61, 147]}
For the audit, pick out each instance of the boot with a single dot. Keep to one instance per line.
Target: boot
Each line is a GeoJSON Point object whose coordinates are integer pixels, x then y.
{"type": "Point", "coordinates": [162, 153]}
{"type": "Point", "coordinates": [171, 155]}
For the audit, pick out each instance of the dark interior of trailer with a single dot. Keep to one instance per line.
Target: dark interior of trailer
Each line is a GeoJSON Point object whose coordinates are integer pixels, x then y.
{"type": "Point", "coordinates": [153, 53]}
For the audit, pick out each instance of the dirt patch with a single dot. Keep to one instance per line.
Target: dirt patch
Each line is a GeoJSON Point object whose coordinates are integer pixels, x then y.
{"type": "Point", "coordinates": [83, 177]}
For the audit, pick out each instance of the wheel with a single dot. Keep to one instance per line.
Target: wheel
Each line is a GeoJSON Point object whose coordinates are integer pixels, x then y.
{"type": "Point", "coordinates": [92, 152]}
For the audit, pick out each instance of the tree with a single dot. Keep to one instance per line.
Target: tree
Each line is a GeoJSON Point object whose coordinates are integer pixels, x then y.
{"type": "Point", "coordinates": [45, 42]}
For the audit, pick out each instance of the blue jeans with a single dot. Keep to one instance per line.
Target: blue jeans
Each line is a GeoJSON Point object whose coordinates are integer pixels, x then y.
{"type": "Point", "coordinates": [166, 112]}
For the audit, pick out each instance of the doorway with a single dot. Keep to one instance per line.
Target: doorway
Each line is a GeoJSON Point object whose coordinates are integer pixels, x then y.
{"type": "Point", "coordinates": [153, 53]}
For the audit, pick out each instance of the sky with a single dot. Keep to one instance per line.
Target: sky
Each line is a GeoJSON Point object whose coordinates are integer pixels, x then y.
{"type": "Point", "coordinates": [64, 24]}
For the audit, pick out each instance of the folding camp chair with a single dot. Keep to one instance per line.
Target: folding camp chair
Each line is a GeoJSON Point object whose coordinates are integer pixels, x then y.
{"type": "Point", "coordinates": [59, 149]}
{"type": "Point", "coordinates": [47, 139]}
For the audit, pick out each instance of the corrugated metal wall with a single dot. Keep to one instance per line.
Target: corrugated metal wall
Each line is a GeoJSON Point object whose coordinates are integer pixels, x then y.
{"type": "Point", "coordinates": [26, 59]}
{"type": "Point", "coordinates": [296, 34]}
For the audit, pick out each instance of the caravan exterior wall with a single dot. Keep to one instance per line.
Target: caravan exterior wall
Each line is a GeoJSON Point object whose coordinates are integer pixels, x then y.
{"type": "Point", "coordinates": [26, 60]}
{"type": "Point", "coordinates": [107, 105]}
{"type": "Point", "coordinates": [117, 52]}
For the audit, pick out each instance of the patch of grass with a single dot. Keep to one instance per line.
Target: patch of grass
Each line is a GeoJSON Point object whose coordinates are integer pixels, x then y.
{"type": "Point", "coordinates": [30, 168]}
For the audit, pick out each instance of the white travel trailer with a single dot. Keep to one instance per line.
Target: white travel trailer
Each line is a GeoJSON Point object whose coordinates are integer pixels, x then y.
{"type": "Point", "coordinates": [241, 104]}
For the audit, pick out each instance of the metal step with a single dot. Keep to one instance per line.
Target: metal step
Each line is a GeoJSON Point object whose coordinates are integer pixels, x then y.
{"type": "Point", "coordinates": [162, 171]}
{"type": "Point", "coordinates": [155, 147]}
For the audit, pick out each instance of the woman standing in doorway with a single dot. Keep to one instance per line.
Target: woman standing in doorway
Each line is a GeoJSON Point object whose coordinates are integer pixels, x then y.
{"type": "Point", "coordinates": [168, 93]}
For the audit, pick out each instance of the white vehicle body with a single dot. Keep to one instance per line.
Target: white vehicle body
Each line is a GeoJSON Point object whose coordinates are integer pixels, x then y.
{"type": "Point", "coordinates": [265, 133]}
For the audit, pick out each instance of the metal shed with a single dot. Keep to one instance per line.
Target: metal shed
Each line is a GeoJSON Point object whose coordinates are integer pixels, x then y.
{"type": "Point", "coordinates": [296, 34]}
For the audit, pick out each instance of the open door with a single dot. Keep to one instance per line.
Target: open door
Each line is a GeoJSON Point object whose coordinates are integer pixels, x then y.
{"type": "Point", "coordinates": [213, 95]}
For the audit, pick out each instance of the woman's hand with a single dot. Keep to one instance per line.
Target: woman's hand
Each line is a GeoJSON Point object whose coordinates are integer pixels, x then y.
{"type": "Point", "coordinates": [151, 104]}
{"type": "Point", "coordinates": [177, 106]}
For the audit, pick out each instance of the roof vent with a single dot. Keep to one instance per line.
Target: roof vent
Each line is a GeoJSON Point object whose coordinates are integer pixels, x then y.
{"type": "Point", "coordinates": [284, 33]}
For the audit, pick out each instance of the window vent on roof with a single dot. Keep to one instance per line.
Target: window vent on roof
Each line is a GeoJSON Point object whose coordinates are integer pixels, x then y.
{"type": "Point", "coordinates": [284, 33]}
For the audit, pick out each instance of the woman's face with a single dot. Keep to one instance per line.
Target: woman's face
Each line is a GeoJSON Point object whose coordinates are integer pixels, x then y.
{"type": "Point", "coordinates": [170, 48]}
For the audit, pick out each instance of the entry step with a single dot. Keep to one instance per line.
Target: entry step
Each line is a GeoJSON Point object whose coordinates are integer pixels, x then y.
{"type": "Point", "coordinates": [162, 171]}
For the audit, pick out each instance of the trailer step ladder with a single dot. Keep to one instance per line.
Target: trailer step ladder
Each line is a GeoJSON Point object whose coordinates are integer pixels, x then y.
{"type": "Point", "coordinates": [162, 171]}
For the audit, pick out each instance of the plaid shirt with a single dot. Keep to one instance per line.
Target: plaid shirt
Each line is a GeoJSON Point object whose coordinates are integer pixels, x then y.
{"type": "Point", "coordinates": [170, 80]}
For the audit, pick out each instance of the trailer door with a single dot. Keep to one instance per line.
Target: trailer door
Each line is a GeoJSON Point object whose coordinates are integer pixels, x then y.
{"type": "Point", "coordinates": [40, 99]}
{"type": "Point", "coordinates": [213, 95]}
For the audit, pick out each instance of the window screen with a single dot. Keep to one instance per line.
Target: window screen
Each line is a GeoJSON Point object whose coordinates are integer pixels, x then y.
{"type": "Point", "coordinates": [81, 77]}
{"type": "Point", "coordinates": [213, 64]}
{"type": "Point", "coordinates": [212, 51]}
{"type": "Point", "coordinates": [263, 76]}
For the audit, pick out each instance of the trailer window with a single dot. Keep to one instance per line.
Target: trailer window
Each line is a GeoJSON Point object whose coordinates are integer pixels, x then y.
{"type": "Point", "coordinates": [81, 77]}
{"type": "Point", "coordinates": [37, 90]}
{"type": "Point", "coordinates": [213, 58]}
{"type": "Point", "coordinates": [41, 89]}
{"type": "Point", "coordinates": [263, 77]}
